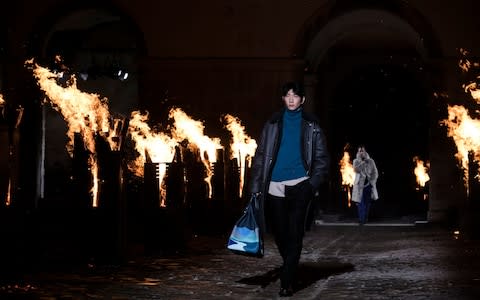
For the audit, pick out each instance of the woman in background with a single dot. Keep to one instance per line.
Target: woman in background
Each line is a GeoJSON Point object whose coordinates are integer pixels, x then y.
{"type": "Point", "coordinates": [365, 185]}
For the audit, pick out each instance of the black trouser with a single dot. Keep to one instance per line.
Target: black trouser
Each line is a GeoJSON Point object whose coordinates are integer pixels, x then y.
{"type": "Point", "coordinates": [287, 219]}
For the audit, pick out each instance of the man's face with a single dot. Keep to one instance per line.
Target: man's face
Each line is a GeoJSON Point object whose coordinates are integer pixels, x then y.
{"type": "Point", "coordinates": [292, 101]}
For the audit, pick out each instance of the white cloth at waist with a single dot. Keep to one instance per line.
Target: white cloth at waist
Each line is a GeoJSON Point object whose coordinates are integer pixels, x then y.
{"type": "Point", "coordinates": [277, 188]}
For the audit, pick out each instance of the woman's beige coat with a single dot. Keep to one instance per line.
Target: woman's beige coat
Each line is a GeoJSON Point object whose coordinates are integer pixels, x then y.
{"type": "Point", "coordinates": [364, 169]}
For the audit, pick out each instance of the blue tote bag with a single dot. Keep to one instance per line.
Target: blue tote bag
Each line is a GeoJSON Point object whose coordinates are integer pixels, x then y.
{"type": "Point", "coordinates": [246, 237]}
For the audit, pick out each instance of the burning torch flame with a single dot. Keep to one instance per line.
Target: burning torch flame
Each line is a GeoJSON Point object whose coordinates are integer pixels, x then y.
{"type": "Point", "coordinates": [84, 113]}
{"type": "Point", "coordinates": [242, 146]}
{"type": "Point", "coordinates": [348, 175]}
{"type": "Point", "coordinates": [2, 105]}
{"type": "Point", "coordinates": [421, 171]}
{"type": "Point", "coordinates": [159, 146]}
{"type": "Point", "coordinates": [465, 130]}
{"type": "Point", "coordinates": [8, 201]}
{"type": "Point", "coordinates": [185, 128]}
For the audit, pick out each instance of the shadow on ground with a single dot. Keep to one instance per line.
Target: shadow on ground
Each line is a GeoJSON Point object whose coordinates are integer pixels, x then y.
{"type": "Point", "coordinates": [308, 274]}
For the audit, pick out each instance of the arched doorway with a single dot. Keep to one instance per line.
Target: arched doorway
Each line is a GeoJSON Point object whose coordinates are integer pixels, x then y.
{"type": "Point", "coordinates": [99, 45]}
{"type": "Point", "coordinates": [102, 47]}
{"type": "Point", "coordinates": [384, 108]}
{"type": "Point", "coordinates": [373, 89]}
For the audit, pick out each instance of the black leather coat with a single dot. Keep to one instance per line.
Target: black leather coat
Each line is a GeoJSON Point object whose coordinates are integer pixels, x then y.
{"type": "Point", "coordinates": [314, 153]}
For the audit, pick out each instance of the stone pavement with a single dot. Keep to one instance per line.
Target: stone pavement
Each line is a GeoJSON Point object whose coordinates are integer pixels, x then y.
{"type": "Point", "coordinates": [338, 262]}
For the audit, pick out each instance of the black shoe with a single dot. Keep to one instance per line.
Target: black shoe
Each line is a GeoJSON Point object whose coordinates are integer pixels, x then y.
{"type": "Point", "coordinates": [285, 292]}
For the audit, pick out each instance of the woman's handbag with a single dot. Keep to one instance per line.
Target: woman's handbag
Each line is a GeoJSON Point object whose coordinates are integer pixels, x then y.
{"type": "Point", "coordinates": [246, 237]}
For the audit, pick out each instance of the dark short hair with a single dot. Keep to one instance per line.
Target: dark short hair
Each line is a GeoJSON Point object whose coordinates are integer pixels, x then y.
{"type": "Point", "coordinates": [296, 87]}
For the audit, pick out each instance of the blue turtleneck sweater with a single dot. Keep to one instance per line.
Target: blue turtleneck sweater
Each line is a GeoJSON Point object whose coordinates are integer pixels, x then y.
{"type": "Point", "coordinates": [289, 163]}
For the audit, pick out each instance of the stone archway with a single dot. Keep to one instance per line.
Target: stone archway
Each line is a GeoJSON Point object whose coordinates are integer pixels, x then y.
{"type": "Point", "coordinates": [367, 63]}
{"type": "Point", "coordinates": [102, 48]}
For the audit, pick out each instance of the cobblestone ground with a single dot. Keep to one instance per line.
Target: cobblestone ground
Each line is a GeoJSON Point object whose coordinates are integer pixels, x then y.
{"type": "Point", "coordinates": [338, 262]}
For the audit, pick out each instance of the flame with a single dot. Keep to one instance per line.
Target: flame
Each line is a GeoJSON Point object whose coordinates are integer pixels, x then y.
{"type": "Point", "coordinates": [185, 128]}
{"type": "Point", "coordinates": [348, 175]}
{"type": "Point", "coordinates": [2, 105]}
{"type": "Point", "coordinates": [464, 63]}
{"type": "Point", "coordinates": [8, 200]}
{"type": "Point", "coordinates": [242, 146]}
{"type": "Point", "coordinates": [421, 171]}
{"type": "Point", "coordinates": [88, 115]}
{"type": "Point", "coordinates": [84, 113]}
{"type": "Point", "coordinates": [464, 129]}
{"type": "Point", "coordinates": [157, 145]}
